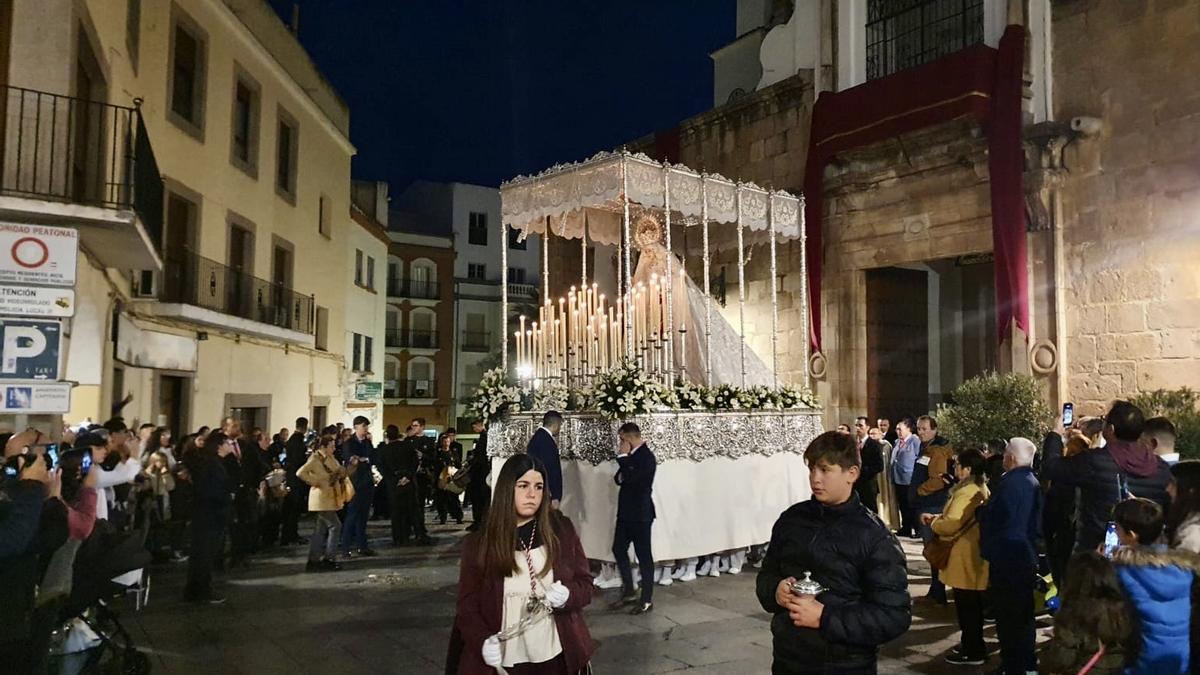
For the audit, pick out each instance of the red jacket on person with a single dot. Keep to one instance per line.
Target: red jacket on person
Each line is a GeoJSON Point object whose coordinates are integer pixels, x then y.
{"type": "Point", "coordinates": [480, 605]}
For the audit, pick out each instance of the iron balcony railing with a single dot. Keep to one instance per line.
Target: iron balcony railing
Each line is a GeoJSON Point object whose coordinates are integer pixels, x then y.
{"type": "Point", "coordinates": [522, 290]}
{"type": "Point", "coordinates": [192, 279]}
{"type": "Point", "coordinates": [67, 149]}
{"type": "Point", "coordinates": [410, 389]}
{"type": "Point", "coordinates": [476, 341]}
{"type": "Point", "coordinates": [411, 339]}
{"type": "Point", "coordinates": [413, 288]}
{"type": "Point", "coordinates": [902, 34]}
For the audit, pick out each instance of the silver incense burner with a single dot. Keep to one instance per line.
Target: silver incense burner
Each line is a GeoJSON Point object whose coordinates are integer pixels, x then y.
{"type": "Point", "coordinates": [808, 586]}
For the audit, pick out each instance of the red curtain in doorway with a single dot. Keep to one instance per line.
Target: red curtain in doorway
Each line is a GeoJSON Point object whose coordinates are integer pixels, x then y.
{"type": "Point", "coordinates": [979, 81]}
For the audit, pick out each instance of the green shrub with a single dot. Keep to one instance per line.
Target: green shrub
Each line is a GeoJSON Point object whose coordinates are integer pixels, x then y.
{"type": "Point", "coordinates": [1179, 406]}
{"type": "Point", "coordinates": [994, 406]}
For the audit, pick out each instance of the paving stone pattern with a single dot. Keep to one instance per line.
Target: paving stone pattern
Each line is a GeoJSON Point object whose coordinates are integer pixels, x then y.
{"type": "Point", "coordinates": [392, 614]}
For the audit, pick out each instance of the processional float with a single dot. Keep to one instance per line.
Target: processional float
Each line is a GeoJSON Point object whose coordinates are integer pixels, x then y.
{"type": "Point", "coordinates": [723, 475]}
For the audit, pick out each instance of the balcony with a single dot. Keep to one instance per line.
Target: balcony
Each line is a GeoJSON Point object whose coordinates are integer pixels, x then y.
{"type": "Point", "coordinates": [204, 291]}
{"type": "Point", "coordinates": [85, 164]}
{"type": "Point", "coordinates": [475, 341]}
{"type": "Point", "coordinates": [522, 291]}
{"type": "Point", "coordinates": [418, 289]}
{"type": "Point", "coordinates": [411, 339]}
{"type": "Point", "coordinates": [423, 389]}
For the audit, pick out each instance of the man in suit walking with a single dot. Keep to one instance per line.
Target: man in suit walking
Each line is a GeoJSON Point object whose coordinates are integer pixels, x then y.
{"type": "Point", "coordinates": [294, 504]}
{"type": "Point", "coordinates": [544, 447]}
{"type": "Point", "coordinates": [635, 516]}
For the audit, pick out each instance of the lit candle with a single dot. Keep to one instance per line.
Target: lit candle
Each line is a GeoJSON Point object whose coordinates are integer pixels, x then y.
{"type": "Point", "coordinates": [520, 355]}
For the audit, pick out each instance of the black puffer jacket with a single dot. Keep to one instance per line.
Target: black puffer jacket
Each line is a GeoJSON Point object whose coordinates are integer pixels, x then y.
{"type": "Point", "coordinates": [1095, 472]}
{"type": "Point", "coordinates": [851, 553]}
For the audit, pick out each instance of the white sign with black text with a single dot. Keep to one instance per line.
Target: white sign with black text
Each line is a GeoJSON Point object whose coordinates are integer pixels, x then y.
{"type": "Point", "coordinates": [38, 254]}
{"type": "Point", "coordinates": [35, 398]}
{"type": "Point", "coordinates": [37, 301]}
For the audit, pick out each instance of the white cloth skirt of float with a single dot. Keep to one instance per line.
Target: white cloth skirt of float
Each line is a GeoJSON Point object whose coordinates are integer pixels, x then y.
{"type": "Point", "coordinates": [703, 507]}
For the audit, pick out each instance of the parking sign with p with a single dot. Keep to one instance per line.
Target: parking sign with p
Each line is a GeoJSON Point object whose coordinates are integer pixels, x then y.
{"type": "Point", "coordinates": [29, 349]}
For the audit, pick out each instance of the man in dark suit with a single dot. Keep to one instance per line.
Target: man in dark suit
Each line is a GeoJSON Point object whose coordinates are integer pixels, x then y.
{"type": "Point", "coordinates": [478, 469]}
{"type": "Point", "coordinates": [295, 454]}
{"type": "Point", "coordinates": [544, 447]}
{"type": "Point", "coordinates": [399, 462]}
{"type": "Point", "coordinates": [361, 449]}
{"type": "Point", "coordinates": [635, 516]}
{"type": "Point", "coordinates": [870, 452]}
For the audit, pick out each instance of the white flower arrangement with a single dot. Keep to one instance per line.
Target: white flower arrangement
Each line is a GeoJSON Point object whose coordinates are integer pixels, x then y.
{"type": "Point", "coordinates": [624, 392]}
{"type": "Point", "coordinates": [495, 396]}
{"type": "Point", "coordinates": [689, 396]}
{"type": "Point", "coordinates": [792, 397]}
{"type": "Point", "coordinates": [550, 395]}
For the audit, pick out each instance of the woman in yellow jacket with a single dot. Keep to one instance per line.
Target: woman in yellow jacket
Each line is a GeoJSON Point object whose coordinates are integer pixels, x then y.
{"type": "Point", "coordinates": [330, 490]}
{"type": "Point", "coordinates": [967, 571]}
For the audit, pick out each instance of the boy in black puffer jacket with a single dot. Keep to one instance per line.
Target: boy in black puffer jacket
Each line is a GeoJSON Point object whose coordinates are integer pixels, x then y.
{"type": "Point", "coordinates": [849, 552]}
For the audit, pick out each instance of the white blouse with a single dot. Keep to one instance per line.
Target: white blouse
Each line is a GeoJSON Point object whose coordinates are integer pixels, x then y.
{"type": "Point", "coordinates": [539, 641]}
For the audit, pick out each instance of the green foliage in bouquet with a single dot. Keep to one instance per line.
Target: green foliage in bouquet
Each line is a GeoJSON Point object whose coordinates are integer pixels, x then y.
{"type": "Point", "coordinates": [495, 396]}
{"type": "Point", "coordinates": [626, 391]}
{"type": "Point", "coordinates": [995, 406]}
{"type": "Point", "coordinates": [548, 395]}
{"type": "Point", "coordinates": [724, 397]}
{"type": "Point", "coordinates": [1181, 407]}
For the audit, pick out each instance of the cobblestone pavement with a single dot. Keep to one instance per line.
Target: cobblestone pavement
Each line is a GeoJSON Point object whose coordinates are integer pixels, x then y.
{"type": "Point", "coordinates": [392, 614]}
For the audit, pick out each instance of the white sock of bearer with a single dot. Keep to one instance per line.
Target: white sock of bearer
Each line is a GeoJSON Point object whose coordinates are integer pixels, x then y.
{"type": "Point", "coordinates": [664, 575]}
{"type": "Point", "coordinates": [689, 570]}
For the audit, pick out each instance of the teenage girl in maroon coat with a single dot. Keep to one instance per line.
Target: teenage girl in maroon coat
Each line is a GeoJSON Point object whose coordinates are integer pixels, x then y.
{"type": "Point", "coordinates": [523, 584]}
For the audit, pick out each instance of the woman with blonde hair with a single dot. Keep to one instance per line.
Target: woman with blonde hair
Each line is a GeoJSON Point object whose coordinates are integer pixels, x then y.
{"type": "Point", "coordinates": [966, 571]}
{"type": "Point", "coordinates": [330, 491]}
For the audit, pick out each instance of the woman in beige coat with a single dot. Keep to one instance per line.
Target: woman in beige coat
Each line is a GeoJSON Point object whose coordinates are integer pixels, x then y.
{"type": "Point", "coordinates": [967, 571]}
{"type": "Point", "coordinates": [330, 490]}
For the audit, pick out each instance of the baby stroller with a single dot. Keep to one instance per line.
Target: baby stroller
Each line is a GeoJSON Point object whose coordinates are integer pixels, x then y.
{"type": "Point", "coordinates": [91, 639]}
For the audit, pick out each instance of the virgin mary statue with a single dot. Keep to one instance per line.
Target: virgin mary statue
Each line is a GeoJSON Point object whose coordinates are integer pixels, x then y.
{"type": "Point", "coordinates": [688, 309]}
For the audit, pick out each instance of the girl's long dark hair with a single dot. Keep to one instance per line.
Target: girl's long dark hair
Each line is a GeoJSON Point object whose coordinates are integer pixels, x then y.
{"type": "Point", "coordinates": [1187, 495]}
{"type": "Point", "coordinates": [197, 458]}
{"type": "Point", "coordinates": [496, 551]}
{"type": "Point", "coordinates": [1094, 604]}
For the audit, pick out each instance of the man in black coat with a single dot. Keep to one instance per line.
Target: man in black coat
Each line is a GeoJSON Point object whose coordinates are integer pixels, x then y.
{"type": "Point", "coordinates": [543, 446]}
{"type": "Point", "coordinates": [398, 462]}
{"type": "Point", "coordinates": [636, 466]}
{"type": "Point", "coordinates": [295, 454]}
{"type": "Point", "coordinates": [871, 452]}
{"type": "Point", "coordinates": [1105, 476]}
{"type": "Point", "coordinates": [864, 601]}
{"type": "Point", "coordinates": [477, 471]}
{"type": "Point", "coordinates": [418, 457]}
{"type": "Point", "coordinates": [1009, 525]}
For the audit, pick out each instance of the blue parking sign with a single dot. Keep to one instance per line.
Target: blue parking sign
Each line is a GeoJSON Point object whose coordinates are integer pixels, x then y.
{"type": "Point", "coordinates": [29, 349]}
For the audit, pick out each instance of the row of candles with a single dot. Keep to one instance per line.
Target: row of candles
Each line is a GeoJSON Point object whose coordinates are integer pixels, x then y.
{"type": "Point", "coordinates": [583, 334]}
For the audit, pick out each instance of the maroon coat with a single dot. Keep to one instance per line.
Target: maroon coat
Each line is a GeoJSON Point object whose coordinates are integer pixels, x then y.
{"type": "Point", "coordinates": [480, 605]}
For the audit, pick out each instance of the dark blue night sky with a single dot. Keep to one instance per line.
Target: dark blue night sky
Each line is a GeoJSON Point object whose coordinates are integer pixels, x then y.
{"type": "Point", "coordinates": [482, 91]}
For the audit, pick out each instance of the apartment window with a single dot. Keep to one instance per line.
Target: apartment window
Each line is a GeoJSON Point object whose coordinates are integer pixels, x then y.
{"type": "Point", "coordinates": [244, 139]}
{"type": "Point", "coordinates": [286, 145]}
{"type": "Point", "coordinates": [133, 29]}
{"type": "Point", "coordinates": [356, 358]}
{"type": "Point", "coordinates": [476, 271]}
{"type": "Point", "coordinates": [321, 340]}
{"type": "Point", "coordinates": [515, 241]}
{"type": "Point", "coordinates": [324, 217]}
{"type": "Point", "coordinates": [477, 229]}
{"type": "Point", "coordinates": [902, 34]}
{"type": "Point", "coordinates": [516, 275]}
{"type": "Point", "coordinates": [358, 267]}
{"type": "Point", "coordinates": [188, 55]}
{"type": "Point", "coordinates": [370, 273]}
{"type": "Point", "coordinates": [368, 348]}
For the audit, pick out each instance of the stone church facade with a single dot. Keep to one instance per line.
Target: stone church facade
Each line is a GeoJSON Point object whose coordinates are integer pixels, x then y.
{"type": "Point", "coordinates": [908, 286]}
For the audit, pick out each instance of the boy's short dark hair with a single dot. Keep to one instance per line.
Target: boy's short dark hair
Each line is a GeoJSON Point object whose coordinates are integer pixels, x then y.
{"type": "Point", "coordinates": [1126, 419]}
{"type": "Point", "coordinates": [1141, 517]}
{"type": "Point", "coordinates": [360, 419]}
{"type": "Point", "coordinates": [630, 428]}
{"type": "Point", "coordinates": [552, 417]}
{"type": "Point", "coordinates": [1160, 427]}
{"type": "Point", "coordinates": [832, 448]}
